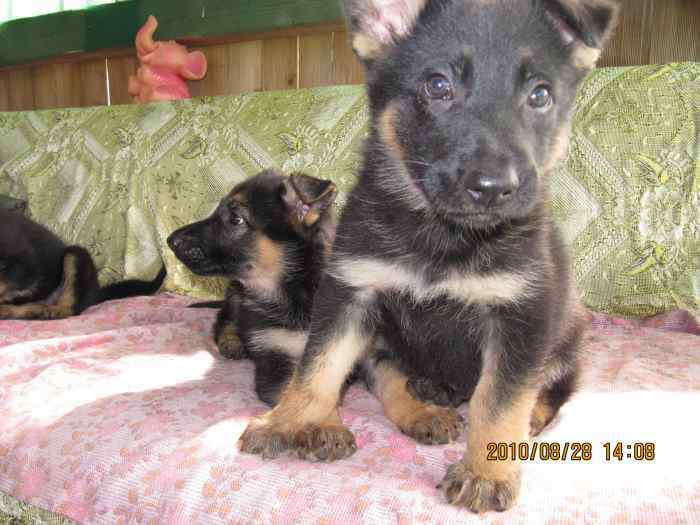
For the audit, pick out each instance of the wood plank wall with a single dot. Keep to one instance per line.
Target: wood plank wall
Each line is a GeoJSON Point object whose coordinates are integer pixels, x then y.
{"type": "Point", "coordinates": [650, 31]}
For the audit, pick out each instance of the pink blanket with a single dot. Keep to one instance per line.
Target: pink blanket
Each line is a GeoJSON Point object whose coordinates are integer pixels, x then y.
{"type": "Point", "coordinates": [127, 415]}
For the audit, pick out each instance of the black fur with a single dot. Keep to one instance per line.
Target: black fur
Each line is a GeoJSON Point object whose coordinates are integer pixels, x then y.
{"type": "Point", "coordinates": [447, 245]}
{"type": "Point", "coordinates": [32, 272]}
{"type": "Point", "coordinates": [267, 208]}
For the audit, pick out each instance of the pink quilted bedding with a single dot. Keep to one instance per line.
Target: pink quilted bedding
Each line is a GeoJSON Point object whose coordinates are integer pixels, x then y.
{"type": "Point", "coordinates": [126, 415]}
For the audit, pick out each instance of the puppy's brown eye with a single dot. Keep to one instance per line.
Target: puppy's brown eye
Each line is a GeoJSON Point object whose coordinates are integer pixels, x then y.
{"type": "Point", "coordinates": [540, 98]}
{"type": "Point", "coordinates": [236, 220]}
{"type": "Point", "coordinates": [439, 87]}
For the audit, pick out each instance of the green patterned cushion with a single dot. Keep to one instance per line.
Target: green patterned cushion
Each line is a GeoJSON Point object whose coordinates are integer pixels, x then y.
{"type": "Point", "coordinates": [628, 195]}
{"type": "Point", "coordinates": [121, 179]}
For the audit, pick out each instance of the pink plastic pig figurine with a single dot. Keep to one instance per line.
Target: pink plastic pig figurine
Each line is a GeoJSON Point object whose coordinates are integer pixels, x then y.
{"type": "Point", "coordinates": [165, 67]}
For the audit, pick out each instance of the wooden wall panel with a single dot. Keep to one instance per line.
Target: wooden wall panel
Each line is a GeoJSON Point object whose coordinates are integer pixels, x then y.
{"type": "Point", "coordinates": [316, 60]}
{"type": "Point", "coordinates": [92, 75]}
{"type": "Point", "coordinates": [20, 90]}
{"type": "Point", "coordinates": [4, 92]}
{"type": "Point", "coordinates": [680, 20]}
{"type": "Point", "coordinates": [279, 63]}
{"type": "Point", "coordinates": [56, 86]}
{"type": "Point", "coordinates": [347, 68]}
{"type": "Point", "coordinates": [120, 68]}
{"type": "Point", "coordinates": [633, 36]}
{"type": "Point", "coordinates": [655, 32]}
{"type": "Point", "coordinates": [232, 69]}
{"type": "Point", "coordinates": [326, 59]}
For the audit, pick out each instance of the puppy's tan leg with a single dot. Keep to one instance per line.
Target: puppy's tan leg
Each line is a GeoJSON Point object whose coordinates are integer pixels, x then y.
{"type": "Point", "coordinates": [426, 423]}
{"type": "Point", "coordinates": [225, 331]}
{"type": "Point", "coordinates": [477, 482]}
{"type": "Point", "coordinates": [306, 421]}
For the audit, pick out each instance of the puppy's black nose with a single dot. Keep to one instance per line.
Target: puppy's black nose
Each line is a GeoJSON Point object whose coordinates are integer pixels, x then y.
{"type": "Point", "coordinates": [174, 242]}
{"type": "Point", "coordinates": [492, 190]}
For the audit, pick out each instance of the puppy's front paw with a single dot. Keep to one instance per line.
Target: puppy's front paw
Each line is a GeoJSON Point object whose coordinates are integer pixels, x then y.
{"type": "Point", "coordinates": [328, 442]}
{"type": "Point", "coordinates": [229, 343]}
{"type": "Point", "coordinates": [433, 425]}
{"type": "Point", "coordinates": [263, 438]}
{"type": "Point", "coordinates": [322, 442]}
{"type": "Point", "coordinates": [465, 489]}
{"type": "Point", "coordinates": [425, 390]}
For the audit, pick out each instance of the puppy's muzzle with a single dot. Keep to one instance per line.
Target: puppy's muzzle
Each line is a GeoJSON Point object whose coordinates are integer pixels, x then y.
{"type": "Point", "coordinates": [185, 248]}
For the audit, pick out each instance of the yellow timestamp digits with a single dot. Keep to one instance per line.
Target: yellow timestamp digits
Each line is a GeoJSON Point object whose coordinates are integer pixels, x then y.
{"type": "Point", "coordinates": [638, 451]}
{"type": "Point", "coordinates": [540, 450]}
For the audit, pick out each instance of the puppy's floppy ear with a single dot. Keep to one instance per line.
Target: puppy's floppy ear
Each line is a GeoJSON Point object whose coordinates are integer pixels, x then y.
{"type": "Point", "coordinates": [376, 25]}
{"type": "Point", "coordinates": [306, 199]}
{"type": "Point", "coordinates": [585, 26]}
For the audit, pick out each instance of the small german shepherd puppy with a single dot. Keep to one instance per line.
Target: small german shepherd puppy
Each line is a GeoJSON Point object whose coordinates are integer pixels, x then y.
{"type": "Point", "coordinates": [42, 278]}
{"type": "Point", "coordinates": [271, 237]}
{"type": "Point", "coordinates": [447, 244]}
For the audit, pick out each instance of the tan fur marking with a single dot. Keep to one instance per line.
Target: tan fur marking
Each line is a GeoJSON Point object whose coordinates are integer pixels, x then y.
{"type": "Point", "coordinates": [238, 197]}
{"type": "Point", "coordinates": [542, 414]}
{"type": "Point", "coordinates": [66, 301]}
{"type": "Point", "coordinates": [311, 218]}
{"type": "Point", "coordinates": [268, 267]}
{"type": "Point", "coordinates": [400, 407]}
{"type": "Point", "coordinates": [585, 57]}
{"type": "Point", "coordinates": [558, 148]}
{"type": "Point", "coordinates": [490, 424]}
{"type": "Point", "coordinates": [366, 47]}
{"type": "Point", "coordinates": [3, 290]}
{"type": "Point", "coordinates": [290, 342]}
{"type": "Point", "coordinates": [313, 399]}
{"type": "Point", "coordinates": [387, 130]}
{"type": "Point", "coordinates": [336, 360]}
{"type": "Point", "coordinates": [368, 44]}
{"type": "Point", "coordinates": [500, 287]}
{"type": "Point", "coordinates": [298, 407]}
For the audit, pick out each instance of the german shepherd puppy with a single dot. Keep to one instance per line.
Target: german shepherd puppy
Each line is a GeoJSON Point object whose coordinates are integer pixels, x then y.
{"type": "Point", "coordinates": [271, 237]}
{"type": "Point", "coordinates": [42, 278]}
{"type": "Point", "coordinates": [447, 243]}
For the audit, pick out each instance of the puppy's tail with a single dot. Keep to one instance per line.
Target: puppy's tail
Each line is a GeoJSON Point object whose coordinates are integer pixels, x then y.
{"type": "Point", "coordinates": [131, 288]}
{"type": "Point", "coordinates": [208, 304]}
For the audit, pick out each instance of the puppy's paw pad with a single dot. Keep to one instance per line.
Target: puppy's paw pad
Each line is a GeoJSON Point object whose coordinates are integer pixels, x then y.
{"type": "Point", "coordinates": [262, 439]}
{"type": "Point", "coordinates": [464, 489]}
{"type": "Point", "coordinates": [435, 426]}
{"type": "Point", "coordinates": [324, 443]}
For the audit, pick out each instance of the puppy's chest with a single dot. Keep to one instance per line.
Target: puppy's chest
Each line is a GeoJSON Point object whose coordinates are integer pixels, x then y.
{"type": "Point", "coordinates": [440, 339]}
{"type": "Point", "coordinates": [425, 284]}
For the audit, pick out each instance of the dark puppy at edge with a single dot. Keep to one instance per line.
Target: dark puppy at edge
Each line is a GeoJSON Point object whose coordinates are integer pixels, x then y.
{"type": "Point", "coordinates": [42, 278]}
{"type": "Point", "coordinates": [447, 244]}
{"type": "Point", "coordinates": [271, 237]}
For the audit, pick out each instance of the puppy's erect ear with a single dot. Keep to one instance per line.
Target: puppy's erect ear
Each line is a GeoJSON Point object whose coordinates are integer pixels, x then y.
{"type": "Point", "coordinates": [376, 25]}
{"type": "Point", "coordinates": [583, 25]}
{"type": "Point", "coordinates": [306, 198]}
